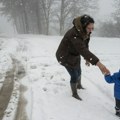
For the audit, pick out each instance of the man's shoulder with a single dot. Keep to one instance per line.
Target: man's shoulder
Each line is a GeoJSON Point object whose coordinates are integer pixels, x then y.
{"type": "Point", "coordinates": [71, 32]}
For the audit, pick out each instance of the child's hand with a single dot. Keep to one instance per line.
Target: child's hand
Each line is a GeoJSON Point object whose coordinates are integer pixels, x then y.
{"type": "Point", "coordinates": [105, 74]}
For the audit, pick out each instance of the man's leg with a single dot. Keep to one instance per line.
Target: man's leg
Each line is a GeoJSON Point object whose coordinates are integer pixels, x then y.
{"type": "Point", "coordinates": [73, 82]}
{"type": "Point", "coordinates": [79, 85]}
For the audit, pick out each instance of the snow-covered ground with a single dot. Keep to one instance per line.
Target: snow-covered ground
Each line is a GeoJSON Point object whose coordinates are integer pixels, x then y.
{"type": "Point", "coordinates": [49, 93]}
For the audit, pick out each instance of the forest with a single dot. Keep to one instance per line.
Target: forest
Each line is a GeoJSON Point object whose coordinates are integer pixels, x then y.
{"type": "Point", "coordinates": [56, 16]}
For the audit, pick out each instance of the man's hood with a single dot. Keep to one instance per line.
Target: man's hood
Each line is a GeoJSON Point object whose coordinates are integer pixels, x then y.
{"type": "Point", "coordinates": [77, 24]}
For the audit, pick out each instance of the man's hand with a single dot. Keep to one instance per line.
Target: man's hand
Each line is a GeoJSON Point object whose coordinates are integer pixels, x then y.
{"type": "Point", "coordinates": [87, 63]}
{"type": "Point", "coordinates": [103, 69]}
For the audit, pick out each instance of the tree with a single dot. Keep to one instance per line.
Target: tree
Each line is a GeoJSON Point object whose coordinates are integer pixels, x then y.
{"type": "Point", "coordinates": [36, 16]}
{"type": "Point", "coordinates": [16, 10]}
{"type": "Point", "coordinates": [116, 15]}
{"type": "Point", "coordinates": [72, 8]}
{"type": "Point", "coordinates": [47, 8]}
{"type": "Point", "coordinates": [107, 29]}
{"type": "Point", "coordinates": [65, 10]}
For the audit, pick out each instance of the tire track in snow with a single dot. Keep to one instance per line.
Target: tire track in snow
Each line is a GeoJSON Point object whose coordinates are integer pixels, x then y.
{"type": "Point", "coordinates": [22, 51]}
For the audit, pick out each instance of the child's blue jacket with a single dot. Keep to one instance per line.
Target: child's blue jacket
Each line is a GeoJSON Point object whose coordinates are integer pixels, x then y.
{"type": "Point", "coordinates": [115, 78]}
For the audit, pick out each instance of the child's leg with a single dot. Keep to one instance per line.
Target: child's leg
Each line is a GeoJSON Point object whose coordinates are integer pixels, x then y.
{"type": "Point", "coordinates": [117, 107]}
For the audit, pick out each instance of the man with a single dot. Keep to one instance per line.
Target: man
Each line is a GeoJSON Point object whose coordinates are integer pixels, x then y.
{"type": "Point", "coordinates": [75, 44]}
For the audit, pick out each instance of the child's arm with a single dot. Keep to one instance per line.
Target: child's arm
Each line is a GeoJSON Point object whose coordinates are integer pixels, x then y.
{"type": "Point", "coordinates": [110, 78]}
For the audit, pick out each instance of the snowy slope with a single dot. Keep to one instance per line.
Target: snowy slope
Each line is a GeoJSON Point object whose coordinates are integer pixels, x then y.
{"type": "Point", "coordinates": [49, 93]}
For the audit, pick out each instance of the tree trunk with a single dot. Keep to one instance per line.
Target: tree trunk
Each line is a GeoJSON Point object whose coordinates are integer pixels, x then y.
{"type": "Point", "coordinates": [38, 17]}
{"type": "Point", "coordinates": [62, 18]}
{"type": "Point", "coordinates": [25, 17]}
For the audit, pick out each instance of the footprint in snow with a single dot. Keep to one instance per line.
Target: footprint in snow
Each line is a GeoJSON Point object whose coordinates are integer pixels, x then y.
{"type": "Point", "coordinates": [43, 75]}
{"type": "Point", "coordinates": [45, 89]}
{"type": "Point", "coordinates": [51, 77]}
{"type": "Point", "coordinates": [55, 91]}
{"type": "Point", "coordinates": [33, 67]}
{"type": "Point", "coordinates": [63, 79]}
{"type": "Point", "coordinates": [60, 84]}
{"type": "Point", "coordinates": [46, 65]}
{"type": "Point", "coordinates": [43, 68]}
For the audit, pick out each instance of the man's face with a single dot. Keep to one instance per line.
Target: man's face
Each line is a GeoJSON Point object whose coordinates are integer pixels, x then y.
{"type": "Point", "coordinates": [90, 28]}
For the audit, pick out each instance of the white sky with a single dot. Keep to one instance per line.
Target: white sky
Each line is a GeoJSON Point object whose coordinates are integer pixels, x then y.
{"type": "Point", "coordinates": [106, 7]}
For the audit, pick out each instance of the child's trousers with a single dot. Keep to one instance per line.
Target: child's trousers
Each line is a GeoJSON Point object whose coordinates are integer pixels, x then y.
{"type": "Point", "coordinates": [117, 107]}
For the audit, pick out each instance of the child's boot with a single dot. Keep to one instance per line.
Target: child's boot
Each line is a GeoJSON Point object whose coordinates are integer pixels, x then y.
{"type": "Point", "coordinates": [117, 111]}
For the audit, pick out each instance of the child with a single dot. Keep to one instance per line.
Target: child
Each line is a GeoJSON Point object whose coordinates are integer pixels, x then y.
{"type": "Point", "coordinates": [115, 78]}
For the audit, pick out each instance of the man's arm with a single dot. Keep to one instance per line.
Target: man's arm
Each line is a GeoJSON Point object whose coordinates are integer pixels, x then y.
{"type": "Point", "coordinates": [89, 56]}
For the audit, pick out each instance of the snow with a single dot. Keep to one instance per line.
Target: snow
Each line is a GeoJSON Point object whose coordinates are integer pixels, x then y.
{"type": "Point", "coordinates": [48, 92]}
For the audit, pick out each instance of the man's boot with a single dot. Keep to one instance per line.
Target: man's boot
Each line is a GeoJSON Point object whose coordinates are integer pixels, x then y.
{"type": "Point", "coordinates": [74, 91]}
{"type": "Point", "coordinates": [79, 85]}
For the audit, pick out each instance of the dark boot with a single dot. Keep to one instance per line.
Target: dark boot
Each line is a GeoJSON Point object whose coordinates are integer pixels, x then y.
{"type": "Point", "coordinates": [79, 85]}
{"type": "Point", "coordinates": [118, 114]}
{"type": "Point", "coordinates": [117, 111]}
{"type": "Point", "coordinates": [74, 91]}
